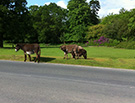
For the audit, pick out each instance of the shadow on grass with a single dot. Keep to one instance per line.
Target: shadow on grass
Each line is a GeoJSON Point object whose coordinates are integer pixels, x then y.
{"type": "Point", "coordinates": [8, 48]}
{"type": "Point", "coordinates": [44, 59]}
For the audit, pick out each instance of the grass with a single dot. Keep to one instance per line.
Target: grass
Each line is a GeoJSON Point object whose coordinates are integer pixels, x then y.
{"type": "Point", "coordinates": [97, 56]}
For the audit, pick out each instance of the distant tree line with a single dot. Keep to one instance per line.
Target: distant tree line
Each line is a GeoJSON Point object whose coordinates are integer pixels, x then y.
{"type": "Point", "coordinates": [52, 24]}
{"type": "Point", "coordinates": [120, 27]}
{"type": "Point", "coordinates": [48, 23]}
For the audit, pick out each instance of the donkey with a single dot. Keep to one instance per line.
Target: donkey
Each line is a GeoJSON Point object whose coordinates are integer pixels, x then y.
{"type": "Point", "coordinates": [81, 52]}
{"type": "Point", "coordinates": [73, 49]}
{"type": "Point", "coordinates": [29, 49]}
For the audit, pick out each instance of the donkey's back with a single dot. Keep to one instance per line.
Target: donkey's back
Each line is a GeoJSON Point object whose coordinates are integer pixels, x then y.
{"type": "Point", "coordinates": [31, 47]}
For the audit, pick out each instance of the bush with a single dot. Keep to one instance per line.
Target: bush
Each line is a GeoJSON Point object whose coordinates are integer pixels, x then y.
{"type": "Point", "coordinates": [95, 31]}
{"type": "Point", "coordinates": [126, 45]}
{"type": "Point", "coordinates": [102, 41]}
{"type": "Point", "coordinates": [113, 42]}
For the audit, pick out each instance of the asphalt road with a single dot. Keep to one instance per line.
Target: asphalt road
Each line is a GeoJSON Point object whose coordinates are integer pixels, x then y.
{"type": "Point", "coordinates": [51, 83]}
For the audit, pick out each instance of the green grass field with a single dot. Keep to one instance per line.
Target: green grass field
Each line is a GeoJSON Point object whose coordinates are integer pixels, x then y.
{"type": "Point", "coordinates": [97, 56]}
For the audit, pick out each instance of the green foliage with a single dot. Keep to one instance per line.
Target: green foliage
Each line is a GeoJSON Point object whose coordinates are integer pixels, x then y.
{"type": "Point", "coordinates": [131, 25]}
{"type": "Point", "coordinates": [49, 22]}
{"type": "Point", "coordinates": [78, 34]}
{"type": "Point", "coordinates": [79, 13]}
{"type": "Point", "coordinates": [3, 21]}
{"type": "Point", "coordinates": [80, 16]}
{"type": "Point", "coordinates": [95, 6]}
{"type": "Point", "coordinates": [110, 43]}
{"type": "Point", "coordinates": [53, 24]}
{"type": "Point", "coordinates": [94, 32]}
{"type": "Point", "coordinates": [15, 20]}
{"type": "Point", "coordinates": [121, 26]}
{"type": "Point", "coordinates": [127, 45]}
{"type": "Point", "coordinates": [118, 29]}
{"type": "Point", "coordinates": [113, 42]}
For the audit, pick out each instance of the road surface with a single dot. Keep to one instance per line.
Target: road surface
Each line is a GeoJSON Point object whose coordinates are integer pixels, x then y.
{"type": "Point", "coordinates": [54, 83]}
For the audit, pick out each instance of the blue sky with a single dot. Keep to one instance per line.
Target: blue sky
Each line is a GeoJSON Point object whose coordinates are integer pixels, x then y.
{"type": "Point", "coordinates": [107, 6]}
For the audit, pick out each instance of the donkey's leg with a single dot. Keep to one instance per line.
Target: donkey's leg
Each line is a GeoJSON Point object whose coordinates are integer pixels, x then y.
{"type": "Point", "coordinates": [29, 57]}
{"type": "Point", "coordinates": [67, 56]}
{"type": "Point", "coordinates": [73, 55]}
{"type": "Point", "coordinates": [76, 55]}
{"type": "Point", "coordinates": [36, 57]}
{"type": "Point", "coordinates": [64, 55]}
{"type": "Point", "coordinates": [25, 56]}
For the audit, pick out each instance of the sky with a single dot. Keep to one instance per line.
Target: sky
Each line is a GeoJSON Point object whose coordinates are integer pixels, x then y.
{"type": "Point", "coordinates": [107, 6]}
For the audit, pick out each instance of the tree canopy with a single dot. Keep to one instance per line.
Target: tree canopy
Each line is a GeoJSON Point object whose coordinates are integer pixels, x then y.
{"type": "Point", "coordinates": [81, 14]}
{"type": "Point", "coordinates": [49, 22]}
{"type": "Point", "coordinates": [53, 24]}
{"type": "Point", "coordinates": [14, 20]}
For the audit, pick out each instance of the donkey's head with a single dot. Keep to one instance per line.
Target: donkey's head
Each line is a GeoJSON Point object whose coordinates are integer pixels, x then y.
{"type": "Point", "coordinates": [63, 47]}
{"type": "Point", "coordinates": [18, 47]}
{"type": "Point", "coordinates": [83, 52]}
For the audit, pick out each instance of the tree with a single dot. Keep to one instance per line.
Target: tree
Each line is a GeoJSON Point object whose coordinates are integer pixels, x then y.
{"type": "Point", "coordinates": [95, 6]}
{"type": "Point", "coordinates": [19, 20]}
{"type": "Point", "coordinates": [122, 10]}
{"type": "Point", "coordinates": [131, 25]}
{"type": "Point", "coordinates": [49, 22]}
{"type": "Point", "coordinates": [32, 36]}
{"type": "Point", "coordinates": [4, 4]}
{"type": "Point", "coordinates": [14, 17]}
{"type": "Point", "coordinates": [79, 16]}
{"type": "Point", "coordinates": [78, 34]}
{"type": "Point", "coordinates": [116, 26]}
{"type": "Point", "coordinates": [117, 29]}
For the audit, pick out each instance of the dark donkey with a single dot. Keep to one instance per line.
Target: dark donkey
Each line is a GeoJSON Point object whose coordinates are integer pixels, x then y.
{"type": "Point", "coordinates": [29, 49]}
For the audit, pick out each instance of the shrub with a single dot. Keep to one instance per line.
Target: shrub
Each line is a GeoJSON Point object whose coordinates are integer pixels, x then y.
{"type": "Point", "coordinates": [126, 45]}
{"type": "Point", "coordinates": [95, 31]}
{"type": "Point", "coordinates": [113, 42]}
{"type": "Point", "coordinates": [102, 41]}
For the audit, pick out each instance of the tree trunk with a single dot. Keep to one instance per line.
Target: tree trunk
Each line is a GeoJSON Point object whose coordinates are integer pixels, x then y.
{"type": "Point", "coordinates": [1, 40]}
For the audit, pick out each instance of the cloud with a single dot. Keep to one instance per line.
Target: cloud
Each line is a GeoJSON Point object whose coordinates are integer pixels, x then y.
{"type": "Point", "coordinates": [88, 1]}
{"type": "Point", "coordinates": [114, 6]}
{"type": "Point", "coordinates": [36, 5]}
{"type": "Point", "coordinates": [62, 4]}
{"type": "Point", "coordinates": [47, 3]}
{"type": "Point", "coordinates": [107, 6]}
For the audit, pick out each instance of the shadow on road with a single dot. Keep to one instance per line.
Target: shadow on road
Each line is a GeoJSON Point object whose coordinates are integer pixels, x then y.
{"type": "Point", "coordinates": [44, 59]}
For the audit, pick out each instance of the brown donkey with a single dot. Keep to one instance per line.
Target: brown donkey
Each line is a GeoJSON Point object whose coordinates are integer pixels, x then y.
{"type": "Point", "coordinates": [29, 49]}
{"type": "Point", "coordinates": [73, 49]}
